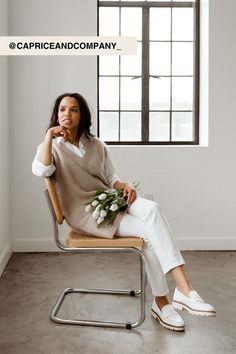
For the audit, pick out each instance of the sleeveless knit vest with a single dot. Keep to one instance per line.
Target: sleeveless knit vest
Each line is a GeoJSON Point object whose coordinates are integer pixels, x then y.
{"type": "Point", "coordinates": [76, 180]}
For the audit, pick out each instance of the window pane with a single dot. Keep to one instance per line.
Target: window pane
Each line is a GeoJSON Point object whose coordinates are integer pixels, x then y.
{"type": "Point", "coordinates": [130, 93]}
{"type": "Point", "coordinates": [182, 126]}
{"type": "Point", "coordinates": [132, 64]}
{"type": "Point", "coordinates": [108, 21]}
{"type": "Point", "coordinates": [108, 93]}
{"type": "Point", "coordinates": [182, 58]}
{"type": "Point", "coordinates": [130, 126]}
{"type": "Point", "coordinates": [109, 65]}
{"type": "Point", "coordinates": [131, 22]}
{"type": "Point", "coordinates": [159, 126]}
{"type": "Point", "coordinates": [160, 58]}
{"type": "Point", "coordinates": [182, 24]}
{"type": "Point", "coordinates": [182, 93]}
{"type": "Point", "coordinates": [109, 126]}
{"type": "Point", "coordinates": [160, 93]}
{"type": "Point", "coordinates": [160, 23]}
{"type": "Point", "coordinates": [171, 73]}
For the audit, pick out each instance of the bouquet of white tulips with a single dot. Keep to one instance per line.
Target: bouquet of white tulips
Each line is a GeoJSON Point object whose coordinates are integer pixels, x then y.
{"type": "Point", "coordinates": [105, 205]}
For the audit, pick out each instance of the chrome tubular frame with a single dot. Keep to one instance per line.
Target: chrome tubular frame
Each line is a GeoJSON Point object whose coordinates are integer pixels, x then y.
{"type": "Point", "coordinates": [141, 292]}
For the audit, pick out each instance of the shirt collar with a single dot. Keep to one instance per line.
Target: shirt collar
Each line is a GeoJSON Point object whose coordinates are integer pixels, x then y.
{"type": "Point", "coordinates": [60, 140]}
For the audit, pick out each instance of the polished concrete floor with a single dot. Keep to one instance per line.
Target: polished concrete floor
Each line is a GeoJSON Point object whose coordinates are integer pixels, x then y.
{"type": "Point", "coordinates": [32, 281]}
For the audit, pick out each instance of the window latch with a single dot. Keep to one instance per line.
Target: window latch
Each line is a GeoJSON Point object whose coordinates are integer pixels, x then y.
{"type": "Point", "coordinates": [145, 77]}
{"type": "Point", "coordinates": [136, 77]}
{"type": "Point", "coordinates": [155, 77]}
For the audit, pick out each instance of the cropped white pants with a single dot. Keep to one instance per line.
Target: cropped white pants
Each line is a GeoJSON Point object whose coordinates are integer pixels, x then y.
{"type": "Point", "coordinates": [145, 219]}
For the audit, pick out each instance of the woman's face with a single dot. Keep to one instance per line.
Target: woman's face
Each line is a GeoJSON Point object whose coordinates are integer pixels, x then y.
{"type": "Point", "coordinates": [69, 113]}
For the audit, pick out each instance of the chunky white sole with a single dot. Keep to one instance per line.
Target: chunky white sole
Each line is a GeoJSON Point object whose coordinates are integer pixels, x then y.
{"type": "Point", "coordinates": [181, 307]}
{"type": "Point", "coordinates": [166, 325]}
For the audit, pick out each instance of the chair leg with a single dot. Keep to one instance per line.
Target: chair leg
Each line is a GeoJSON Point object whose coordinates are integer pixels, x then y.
{"type": "Point", "coordinates": [127, 325]}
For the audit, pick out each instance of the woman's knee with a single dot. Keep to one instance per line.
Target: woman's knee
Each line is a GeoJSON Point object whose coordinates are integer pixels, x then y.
{"type": "Point", "coordinates": [151, 209]}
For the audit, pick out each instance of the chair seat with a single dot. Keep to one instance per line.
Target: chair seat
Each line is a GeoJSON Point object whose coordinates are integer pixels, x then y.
{"type": "Point", "coordinates": [74, 239]}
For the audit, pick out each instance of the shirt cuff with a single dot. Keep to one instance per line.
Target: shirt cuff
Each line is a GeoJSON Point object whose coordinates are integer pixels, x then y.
{"type": "Point", "coordinates": [111, 180]}
{"type": "Point", "coordinates": [41, 170]}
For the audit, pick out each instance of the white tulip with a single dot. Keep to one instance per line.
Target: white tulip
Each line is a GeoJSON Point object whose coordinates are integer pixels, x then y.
{"type": "Point", "coordinates": [95, 203]}
{"type": "Point", "coordinates": [100, 220]}
{"type": "Point", "coordinates": [102, 196]}
{"type": "Point", "coordinates": [98, 207]}
{"type": "Point", "coordinates": [95, 214]}
{"type": "Point", "coordinates": [88, 208]}
{"type": "Point", "coordinates": [112, 190]}
{"type": "Point", "coordinates": [103, 213]}
{"type": "Point", "coordinates": [114, 207]}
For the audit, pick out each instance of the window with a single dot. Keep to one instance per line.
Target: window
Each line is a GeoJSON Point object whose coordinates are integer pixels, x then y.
{"type": "Point", "coordinates": [153, 97]}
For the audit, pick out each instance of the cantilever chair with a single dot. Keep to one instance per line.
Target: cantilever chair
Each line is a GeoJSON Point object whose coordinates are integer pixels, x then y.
{"type": "Point", "coordinates": [78, 243]}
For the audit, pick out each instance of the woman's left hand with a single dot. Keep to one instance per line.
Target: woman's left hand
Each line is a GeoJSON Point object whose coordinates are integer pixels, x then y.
{"type": "Point", "coordinates": [130, 194]}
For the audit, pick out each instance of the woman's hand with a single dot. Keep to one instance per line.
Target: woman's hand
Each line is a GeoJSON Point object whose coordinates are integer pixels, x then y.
{"type": "Point", "coordinates": [59, 131]}
{"type": "Point", "coordinates": [130, 193]}
{"type": "Point", "coordinates": [45, 154]}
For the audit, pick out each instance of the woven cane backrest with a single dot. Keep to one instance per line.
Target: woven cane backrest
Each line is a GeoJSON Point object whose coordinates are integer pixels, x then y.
{"type": "Point", "coordinates": [51, 188]}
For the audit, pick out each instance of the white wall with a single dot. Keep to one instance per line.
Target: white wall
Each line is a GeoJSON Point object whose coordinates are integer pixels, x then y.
{"type": "Point", "coordinates": [35, 83]}
{"type": "Point", "coordinates": [5, 241]}
{"type": "Point", "coordinates": [194, 185]}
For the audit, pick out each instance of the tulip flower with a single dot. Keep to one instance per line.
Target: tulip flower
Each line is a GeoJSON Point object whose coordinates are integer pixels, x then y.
{"type": "Point", "coordinates": [98, 207]}
{"type": "Point", "coordinates": [95, 203]}
{"type": "Point", "coordinates": [114, 207]}
{"type": "Point", "coordinates": [103, 213]}
{"type": "Point", "coordinates": [95, 214]}
{"type": "Point", "coordinates": [88, 208]}
{"type": "Point", "coordinates": [100, 220]}
{"type": "Point", "coordinates": [102, 196]}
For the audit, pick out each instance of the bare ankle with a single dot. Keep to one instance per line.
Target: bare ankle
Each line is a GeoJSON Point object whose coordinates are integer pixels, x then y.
{"type": "Point", "coordinates": [161, 301]}
{"type": "Point", "coordinates": [185, 289]}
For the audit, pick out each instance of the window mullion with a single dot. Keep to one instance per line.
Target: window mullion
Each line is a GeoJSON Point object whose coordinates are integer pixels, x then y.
{"type": "Point", "coordinates": [171, 81]}
{"type": "Point", "coordinates": [119, 124]}
{"type": "Point", "coordinates": [145, 75]}
{"type": "Point", "coordinates": [196, 70]}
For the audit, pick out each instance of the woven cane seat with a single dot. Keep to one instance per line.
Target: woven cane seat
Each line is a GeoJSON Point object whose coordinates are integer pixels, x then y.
{"type": "Point", "coordinates": [74, 239]}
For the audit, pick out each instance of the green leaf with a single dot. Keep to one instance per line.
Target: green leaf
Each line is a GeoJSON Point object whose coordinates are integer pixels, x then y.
{"type": "Point", "coordinates": [111, 217]}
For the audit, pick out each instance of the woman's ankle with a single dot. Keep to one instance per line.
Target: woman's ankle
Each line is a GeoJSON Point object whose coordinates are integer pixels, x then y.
{"type": "Point", "coordinates": [161, 301]}
{"type": "Point", "coordinates": [185, 289]}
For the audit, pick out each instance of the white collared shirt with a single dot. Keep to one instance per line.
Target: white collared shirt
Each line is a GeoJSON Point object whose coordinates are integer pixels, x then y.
{"type": "Point", "coordinates": [41, 170]}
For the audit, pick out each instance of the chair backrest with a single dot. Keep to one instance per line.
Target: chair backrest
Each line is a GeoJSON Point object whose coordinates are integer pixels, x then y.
{"type": "Point", "coordinates": [54, 200]}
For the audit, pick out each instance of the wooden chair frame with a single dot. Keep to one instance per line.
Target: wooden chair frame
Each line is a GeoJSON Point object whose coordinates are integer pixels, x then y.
{"type": "Point", "coordinates": [95, 244]}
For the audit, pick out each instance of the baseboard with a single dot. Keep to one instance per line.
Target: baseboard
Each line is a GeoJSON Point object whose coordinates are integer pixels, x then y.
{"type": "Point", "coordinates": [5, 255]}
{"type": "Point", "coordinates": [184, 244]}
{"type": "Point", "coordinates": [35, 245]}
{"type": "Point", "coordinates": [206, 244]}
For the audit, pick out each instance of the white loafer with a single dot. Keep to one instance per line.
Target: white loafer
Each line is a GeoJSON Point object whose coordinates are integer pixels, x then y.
{"type": "Point", "coordinates": [193, 303]}
{"type": "Point", "coordinates": [168, 317]}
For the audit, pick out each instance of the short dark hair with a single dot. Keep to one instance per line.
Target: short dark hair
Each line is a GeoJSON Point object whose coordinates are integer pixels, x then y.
{"type": "Point", "coordinates": [85, 115]}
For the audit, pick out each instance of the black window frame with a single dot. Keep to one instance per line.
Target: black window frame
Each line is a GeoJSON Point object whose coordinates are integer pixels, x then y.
{"type": "Point", "coordinates": [145, 68]}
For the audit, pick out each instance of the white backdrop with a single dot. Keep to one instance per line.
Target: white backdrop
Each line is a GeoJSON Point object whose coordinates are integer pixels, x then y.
{"type": "Point", "coordinates": [194, 185]}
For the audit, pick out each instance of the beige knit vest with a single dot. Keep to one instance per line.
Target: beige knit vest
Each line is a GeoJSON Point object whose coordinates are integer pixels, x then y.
{"type": "Point", "coordinates": [76, 181]}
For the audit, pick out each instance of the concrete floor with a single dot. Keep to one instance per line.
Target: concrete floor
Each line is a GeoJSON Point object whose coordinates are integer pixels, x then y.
{"type": "Point", "coordinates": [32, 281]}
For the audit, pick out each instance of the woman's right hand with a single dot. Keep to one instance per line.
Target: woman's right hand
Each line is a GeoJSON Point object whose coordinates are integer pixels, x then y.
{"type": "Point", "coordinates": [58, 131]}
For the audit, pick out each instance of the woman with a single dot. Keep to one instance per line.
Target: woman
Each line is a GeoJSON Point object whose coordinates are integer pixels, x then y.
{"type": "Point", "coordinates": [80, 165]}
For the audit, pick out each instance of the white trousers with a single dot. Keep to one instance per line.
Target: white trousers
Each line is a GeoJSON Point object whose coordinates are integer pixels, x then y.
{"type": "Point", "coordinates": [145, 219]}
